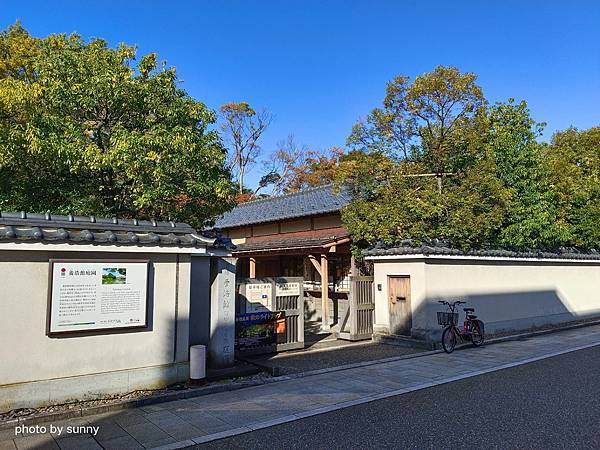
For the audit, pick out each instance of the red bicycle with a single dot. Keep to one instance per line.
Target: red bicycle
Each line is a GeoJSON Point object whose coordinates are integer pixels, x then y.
{"type": "Point", "coordinates": [472, 329]}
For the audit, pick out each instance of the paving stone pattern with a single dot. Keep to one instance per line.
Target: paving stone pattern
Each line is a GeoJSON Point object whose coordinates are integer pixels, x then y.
{"type": "Point", "coordinates": [187, 422]}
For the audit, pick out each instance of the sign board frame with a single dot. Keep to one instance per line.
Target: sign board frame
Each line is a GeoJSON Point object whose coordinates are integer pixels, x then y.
{"type": "Point", "coordinates": [91, 331]}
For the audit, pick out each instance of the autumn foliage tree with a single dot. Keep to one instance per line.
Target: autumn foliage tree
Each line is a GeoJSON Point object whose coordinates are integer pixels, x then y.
{"type": "Point", "coordinates": [293, 167]}
{"type": "Point", "coordinates": [316, 168]}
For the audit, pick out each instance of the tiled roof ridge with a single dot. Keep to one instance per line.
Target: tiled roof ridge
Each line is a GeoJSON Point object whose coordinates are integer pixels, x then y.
{"type": "Point", "coordinates": [47, 218]}
{"type": "Point", "coordinates": [307, 202]}
{"type": "Point", "coordinates": [291, 194]}
{"type": "Point", "coordinates": [22, 226]}
{"type": "Point", "coordinates": [438, 247]}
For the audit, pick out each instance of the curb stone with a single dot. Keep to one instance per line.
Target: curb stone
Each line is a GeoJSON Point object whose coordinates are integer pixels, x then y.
{"type": "Point", "coordinates": [207, 390]}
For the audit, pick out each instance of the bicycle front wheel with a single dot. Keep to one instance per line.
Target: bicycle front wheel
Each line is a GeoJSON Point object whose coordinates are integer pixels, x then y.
{"type": "Point", "coordinates": [449, 339]}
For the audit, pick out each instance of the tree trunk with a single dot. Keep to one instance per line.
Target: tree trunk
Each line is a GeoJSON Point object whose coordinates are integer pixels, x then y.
{"type": "Point", "coordinates": [241, 181]}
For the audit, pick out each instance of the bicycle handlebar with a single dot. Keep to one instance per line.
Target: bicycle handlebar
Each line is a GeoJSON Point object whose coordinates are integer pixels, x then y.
{"type": "Point", "coordinates": [444, 302]}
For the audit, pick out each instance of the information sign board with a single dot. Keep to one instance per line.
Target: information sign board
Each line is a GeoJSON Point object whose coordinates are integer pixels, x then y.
{"type": "Point", "coordinates": [90, 295]}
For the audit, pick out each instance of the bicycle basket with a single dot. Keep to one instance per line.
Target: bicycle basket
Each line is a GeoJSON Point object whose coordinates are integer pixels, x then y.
{"type": "Point", "coordinates": [446, 318]}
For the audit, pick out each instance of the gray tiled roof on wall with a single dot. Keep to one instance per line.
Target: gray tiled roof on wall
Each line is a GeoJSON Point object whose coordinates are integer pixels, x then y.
{"type": "Point", "coordinates": [309, 202]}
{"type": "Point", "coordinates": [21, 226]}
{"type": "Point", "coordinates": [435, 249]}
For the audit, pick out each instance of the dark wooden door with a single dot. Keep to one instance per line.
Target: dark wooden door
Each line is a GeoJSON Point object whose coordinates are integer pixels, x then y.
{"type": "Point", "coordinates": [399, 305]}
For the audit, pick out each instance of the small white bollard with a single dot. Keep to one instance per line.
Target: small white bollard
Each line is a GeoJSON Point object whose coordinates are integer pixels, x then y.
{"type": "Point", "coordinates": [197, 363]}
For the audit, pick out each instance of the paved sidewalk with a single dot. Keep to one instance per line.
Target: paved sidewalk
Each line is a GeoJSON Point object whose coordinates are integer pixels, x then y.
{"type": "Point", "coordinates": [303, 361]}
{"type": "Point", "coordinates": [188, 422]}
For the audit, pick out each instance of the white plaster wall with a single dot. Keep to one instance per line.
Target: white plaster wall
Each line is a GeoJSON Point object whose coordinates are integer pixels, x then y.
{"type": "Point", "coordinates": [27, 354]}
{"type": "Point", "coordinates": [510, 296]}
{"type": "Point", "coordinates": [507, 295]}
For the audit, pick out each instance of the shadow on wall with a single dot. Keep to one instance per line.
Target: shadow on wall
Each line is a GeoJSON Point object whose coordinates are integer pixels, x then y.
{"type": "Point", "coordinates": [501, 312]}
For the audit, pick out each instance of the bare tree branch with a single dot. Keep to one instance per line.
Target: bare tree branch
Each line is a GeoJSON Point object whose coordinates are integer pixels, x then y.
{"type": "Point", "coordinates": [242, 127]}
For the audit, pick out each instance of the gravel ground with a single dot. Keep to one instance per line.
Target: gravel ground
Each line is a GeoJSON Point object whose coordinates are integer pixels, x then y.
{"type": "Point", "coordinates": [288, 363]}
{"type": "Point", "coordinates": [548, 404]}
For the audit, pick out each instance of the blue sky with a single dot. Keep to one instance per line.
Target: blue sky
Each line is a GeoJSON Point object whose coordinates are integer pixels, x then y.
{"type": "Point", "coordinates": [319, 66]}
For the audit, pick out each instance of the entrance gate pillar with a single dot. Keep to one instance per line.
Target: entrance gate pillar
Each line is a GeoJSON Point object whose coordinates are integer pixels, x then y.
{"type": "Point", "coordinates": [222, 313]}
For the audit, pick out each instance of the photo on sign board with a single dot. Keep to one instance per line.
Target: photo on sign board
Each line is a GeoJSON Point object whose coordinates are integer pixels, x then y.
{"type": "Point", "coordinates": [114, 275]}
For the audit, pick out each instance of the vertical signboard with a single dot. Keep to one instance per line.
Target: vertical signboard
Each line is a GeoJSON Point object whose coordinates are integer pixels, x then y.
{"type": "Point", "coordinates": [88, 295]}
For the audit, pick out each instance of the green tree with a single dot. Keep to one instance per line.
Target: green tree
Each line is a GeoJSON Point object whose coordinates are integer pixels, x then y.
{"type": "Point", "coordinates": [434, 126]}
{"type": "Point", "coordinates": [391, 129]}
{"type": "Point", "coordinates": [388, 205]}
{"type": "Point", "coordinates": [504, 187]}
{"type": "Point", "coordinates": [424, 120]}
{"type": "Point", "coordinates": [475, 207]}
{"type": "Point", "coordinates": [574, 160]}
{"type": "Point", "coordinates": [392, 202]}
{"type": "Point", "coordinates": [85, 128]}
{"type": "Point", "coordinates": [532, 216]}
{"type": "Point", "coordinates": [444, 103]}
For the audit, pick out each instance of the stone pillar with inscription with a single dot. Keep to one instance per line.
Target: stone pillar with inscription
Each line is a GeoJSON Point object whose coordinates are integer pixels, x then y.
{"type": "Point", "coordinates": [222, 313]}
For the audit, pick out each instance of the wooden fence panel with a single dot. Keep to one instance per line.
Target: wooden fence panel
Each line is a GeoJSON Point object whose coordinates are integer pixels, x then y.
{"type": "Point", "coordinates": [358, 323]}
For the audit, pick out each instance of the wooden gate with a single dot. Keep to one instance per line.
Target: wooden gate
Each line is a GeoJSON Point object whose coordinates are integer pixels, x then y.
{"type": "Point", "coordinates": [255, 295]}
{"type": "Point", "coordinates": [358, 322]}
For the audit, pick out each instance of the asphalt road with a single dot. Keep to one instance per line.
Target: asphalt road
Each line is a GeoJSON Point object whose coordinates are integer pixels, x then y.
{"type": "Point", "coordinates": [553, 403]}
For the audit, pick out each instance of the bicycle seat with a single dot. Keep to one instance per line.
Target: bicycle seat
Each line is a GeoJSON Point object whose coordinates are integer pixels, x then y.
{"type": "Point", "coordinates": [468, 309]}
{"type": "Point", "coordinates": [471, 316]}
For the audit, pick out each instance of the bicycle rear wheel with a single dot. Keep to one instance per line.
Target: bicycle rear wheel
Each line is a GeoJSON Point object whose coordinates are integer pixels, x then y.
{"type": "Point", "coordinates": [449, 339]}
{"type": "Point", "coordinates": [477, 336]}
